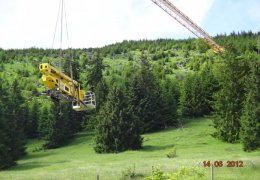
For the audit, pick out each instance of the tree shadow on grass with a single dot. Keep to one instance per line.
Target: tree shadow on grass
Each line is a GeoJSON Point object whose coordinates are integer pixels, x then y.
{"type": "Point", "coordinates": [81, 138]}
{"type": "Point", "coordinates": [149, 148]}
{"type": "Point", "coordinates": [23, 166]}
{"type": "Point", "coordinates": [28, 166]}
{"type": "Point", "coordinates": [37, 155]}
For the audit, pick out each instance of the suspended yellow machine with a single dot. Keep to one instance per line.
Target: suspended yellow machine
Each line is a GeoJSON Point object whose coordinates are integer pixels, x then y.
{"type": "Point", "coordinates": [184, 20]}
{"type": "Point", "coordinates": [61, 87]}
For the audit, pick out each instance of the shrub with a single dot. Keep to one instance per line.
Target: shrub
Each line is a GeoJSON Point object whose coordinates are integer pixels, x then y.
{"type": "Point", "coordinates": [184, 173]}
{"type": "Point", "coordinates": [172, 154]}
{"type": "Point", "coordinates": [130, 173]}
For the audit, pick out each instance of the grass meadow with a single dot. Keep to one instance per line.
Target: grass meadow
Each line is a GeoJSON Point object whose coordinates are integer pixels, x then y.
{"type": "Point", "coordinates": [191, 145]}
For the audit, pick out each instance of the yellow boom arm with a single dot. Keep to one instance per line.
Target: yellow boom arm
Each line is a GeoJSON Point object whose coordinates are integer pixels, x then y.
{"type": "Point", "coordinates": [184, 20]}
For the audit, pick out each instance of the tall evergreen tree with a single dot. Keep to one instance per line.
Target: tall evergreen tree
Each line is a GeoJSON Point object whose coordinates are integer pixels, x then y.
{"type": "Point", "coordinates": [15, 115]}
{"type": "Point", "coordinates": [169, 96]}
{"type": "Point", "coordinates": [12, 143]}
{"type": "Point", "coordinates": [191, 96]}
{"type": "Point", "coordinates": [101, 92]}
{"type": "Point", "coordinates": [94, 75]}
{"type": "Point", "coordinates": [31, 123]}
{"type": "Point", "coordinates": [70, 65]}
{"type": "Point", "coordinates": [230, 98]}
{"type": "Point", "coordinates": [250, 121]}
{"type": "Point", "coordinates": [144, 93]}
{"type": "Point", "coordinates": [6, 159]}
{"type": "Point", "coordinates": [59, 127]}
{"type": "Point", "coordinates": [118, 128]}
{"type": "Point", "coordinates": [57, 124]}
{"type": "Point", "coordinates": [197, 93]}
{"type": "Point", "coordinates": [45, 122]}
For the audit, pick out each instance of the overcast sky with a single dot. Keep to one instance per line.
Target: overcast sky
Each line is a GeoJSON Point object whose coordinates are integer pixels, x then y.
{"type": "Point", "coordinates": [95, 23]}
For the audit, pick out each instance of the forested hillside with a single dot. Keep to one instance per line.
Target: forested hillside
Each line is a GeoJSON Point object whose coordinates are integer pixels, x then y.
{"type": "Point", "coordinates": [141, 87]}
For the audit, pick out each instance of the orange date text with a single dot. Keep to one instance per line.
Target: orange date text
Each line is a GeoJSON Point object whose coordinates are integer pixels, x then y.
{"type": "Point", "coordinates": [223, 163]}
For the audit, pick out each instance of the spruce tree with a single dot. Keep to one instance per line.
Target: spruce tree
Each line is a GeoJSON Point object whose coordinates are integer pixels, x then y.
{"type": "Point", "coordinates": [145, 95]}
{"type": "Point", "coordinates": [250, 121]}
{"type": "Point", "coordinates": [197, 93]}
{"type": "Point", "coordinates": [59, 127]}
{"type": "Point", "coordinates": [230, 98]}
{"type": "Point", "coordinates": [6, 159]}
{"type": "Point", "coordinates": [101, 92]}
{"type": "Point", "coordinates": [118, 128]}
{"type": "Point", "coordinates": [94, 75]}
{"type": "Point", "coordinates": [12, 141]}
{"type": "Point", "coordinates": [169, 96]}
{"type": "Point", "coordinates": [57, 124]}
{"type": "Point", "coordinates": [15, 115]}
{"type": "Point", "coordinates": [45, 122]}
{"type": "Point", "coordinates": [31, 124]}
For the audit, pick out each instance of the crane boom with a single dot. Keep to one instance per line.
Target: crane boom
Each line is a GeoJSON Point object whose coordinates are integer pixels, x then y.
{"type": "Point", "coordinates": [184, 20]}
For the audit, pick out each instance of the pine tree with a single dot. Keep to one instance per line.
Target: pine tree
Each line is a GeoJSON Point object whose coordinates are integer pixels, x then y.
{"type": "Point", "coordinates": [118, 129]}
{"type": "Point", "coordinates": [59, 127]}
{"type": "Point", "coordinates": [250, 121]}
{"type": "Point", "coordinates": [45, 122]}
{"type": "Point", "coordinates": [94, 75]}
{"type": "Point", "coordinates": [101, 92]}
{"type": "Point", "coordinates": [144, 93]}
{"type": "Point", "coordinates": [197, 93]}
{"type": "Point", "coordinates": [71, 66]}
{"type": "Point", "coordinates": [12, 144]}
{"type": "Point", "coordinates": [57, 124]}
{"type": "Point", "coordinates": [15, 115]}
{"type": "Point", "coordinates": [32, 120]}
{"type": "Point", "coordinates": [169, 96]}
{"type": "Point", "coordinates": [230, 98]}
{"type": "Point", "coordinates": [6, 159]}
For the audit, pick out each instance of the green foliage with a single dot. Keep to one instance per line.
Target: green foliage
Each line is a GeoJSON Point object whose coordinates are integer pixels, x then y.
{"type": "Point", "coordinates": [101, 92]}
{"type": "Point", "coordinates": [95, 72]}
{"type": "Point", "coordinates": [230, 98]}
{"type": "Point", "coordinates": [117, 129]}
{"type": "Point", "coordinates": [172, 154]}
{"type": "Point", "coordinates": [59, 125]}
{"type": "Point", "coordinates": [196, 93]}
{"type": "Point", "coordinates": [184, 173]}
{"type": "Point", "coordinates": [77, 159]}
{"type": "Point", "coordinates": [6, 159]}
{"type": "Point", "coordinates": [146, 96]}
{"type": "Point", "coordinates": [250, 124]}
{"type": "Point", "coordinates": [12, 144]}
{"type": "Point", "coordinates": [45, 123]}
{"type": "Point", "coordinates": [130, 173]}
{"type": "Point", "coordinates": [32, 120]}
{"type": "Point", "coordinates": [201, 46]}
{"type": "Point", "coordinates": [170, 98]}
{"type": "Point", "coordinates": [145, 70]}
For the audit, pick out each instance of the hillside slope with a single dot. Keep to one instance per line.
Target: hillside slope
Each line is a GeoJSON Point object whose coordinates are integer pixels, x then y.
{"type": "Point", "coordinates": [194, 144]}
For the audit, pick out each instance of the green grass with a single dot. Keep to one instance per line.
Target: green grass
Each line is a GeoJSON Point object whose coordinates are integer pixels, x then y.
{"type": "Point", "coordinates": [193, 144]}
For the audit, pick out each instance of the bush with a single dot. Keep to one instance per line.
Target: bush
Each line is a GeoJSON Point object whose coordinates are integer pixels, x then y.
{"type": "Point", "coordinates": [184, 173]}
{"type": "Point", "coordinates": [172, 154]}
{"type": "Point", "coordinates": [130, 173]}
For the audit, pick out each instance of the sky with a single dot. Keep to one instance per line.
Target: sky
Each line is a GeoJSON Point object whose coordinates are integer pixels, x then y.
{"type": "Point", "coordinates": [96, 23]}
